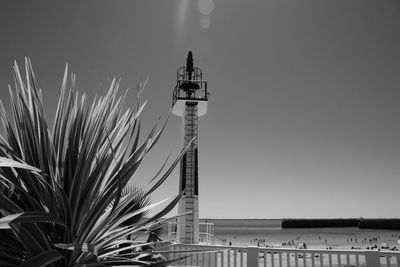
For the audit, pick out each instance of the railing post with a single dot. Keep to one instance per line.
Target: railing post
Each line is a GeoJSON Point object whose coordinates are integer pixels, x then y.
{"type": "Point", "coordinates": [398, 259]}
{"type": "Point", "coordinates": [252, 256]}
{"type": "Point", "coordinates": [372, 259]}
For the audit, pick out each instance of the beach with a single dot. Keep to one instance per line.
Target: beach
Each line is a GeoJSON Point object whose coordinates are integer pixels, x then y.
{"type": "Point", "coordinates": [325, 244]}
{"type": "Point", "coordinates": [268, 232]}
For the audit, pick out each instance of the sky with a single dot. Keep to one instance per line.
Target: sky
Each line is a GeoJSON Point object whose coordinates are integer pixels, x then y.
{"type": "Point", "coordinates": [303, 116]}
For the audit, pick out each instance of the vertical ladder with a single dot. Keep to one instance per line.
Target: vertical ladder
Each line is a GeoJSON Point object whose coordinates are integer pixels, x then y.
{"type": "Point", "coordinates": [191, 183]}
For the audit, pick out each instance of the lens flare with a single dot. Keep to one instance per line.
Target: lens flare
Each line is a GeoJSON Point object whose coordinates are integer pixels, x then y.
{"type": "Point", "coordinates": [182, 11]}
{"type": "Point", "coordinates": [205, 7]}
{"type": "Point", "coordinates": [205, 22]}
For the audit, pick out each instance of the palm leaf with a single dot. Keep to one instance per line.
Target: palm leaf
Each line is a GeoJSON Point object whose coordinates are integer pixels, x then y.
{"type": "Point", "coordinates": [43, 259]}
{"type": "Point", "coordinates": [65, 191]}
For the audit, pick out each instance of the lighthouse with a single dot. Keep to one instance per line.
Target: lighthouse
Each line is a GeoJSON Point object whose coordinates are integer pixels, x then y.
{"type": "Point", "coordinates": [189, 101]}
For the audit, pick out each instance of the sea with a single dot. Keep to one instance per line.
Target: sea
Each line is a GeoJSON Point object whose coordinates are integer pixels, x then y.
{"type": "Point", "coordinates": [269, 233]}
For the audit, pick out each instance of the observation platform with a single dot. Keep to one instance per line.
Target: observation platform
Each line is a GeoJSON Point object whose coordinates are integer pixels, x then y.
{"type": "Point", "coordinates": [189, 89]}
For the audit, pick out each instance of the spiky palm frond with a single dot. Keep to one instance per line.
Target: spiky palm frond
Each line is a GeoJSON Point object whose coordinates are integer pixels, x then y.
{"type": "Point", "coordinates": [59, 183]}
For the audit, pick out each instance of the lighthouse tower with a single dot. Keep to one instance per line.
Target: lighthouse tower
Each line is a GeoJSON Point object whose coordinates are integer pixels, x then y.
{"type": "Point", "coordinates": [189, 101]}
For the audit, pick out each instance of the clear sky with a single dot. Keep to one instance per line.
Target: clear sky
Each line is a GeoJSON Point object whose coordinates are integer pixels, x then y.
{"type": "Point", "coordinates": [303, 116]}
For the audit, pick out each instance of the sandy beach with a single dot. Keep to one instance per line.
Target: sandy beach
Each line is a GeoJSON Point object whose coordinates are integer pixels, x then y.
{"type": "Point", "coordinates": [264, 232]}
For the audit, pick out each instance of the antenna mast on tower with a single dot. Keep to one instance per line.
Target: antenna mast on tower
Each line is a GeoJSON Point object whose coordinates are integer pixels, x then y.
{"type": "Point", "coordinates": [189, 101]}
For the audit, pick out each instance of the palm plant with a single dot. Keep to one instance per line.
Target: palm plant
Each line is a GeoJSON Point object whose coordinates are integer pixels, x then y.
{"type": "Point", "coordinates": [61, 201]}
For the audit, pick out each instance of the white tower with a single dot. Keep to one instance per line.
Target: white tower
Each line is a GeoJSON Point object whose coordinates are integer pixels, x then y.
{"type": "Point", "coordinates": [189, 101]}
